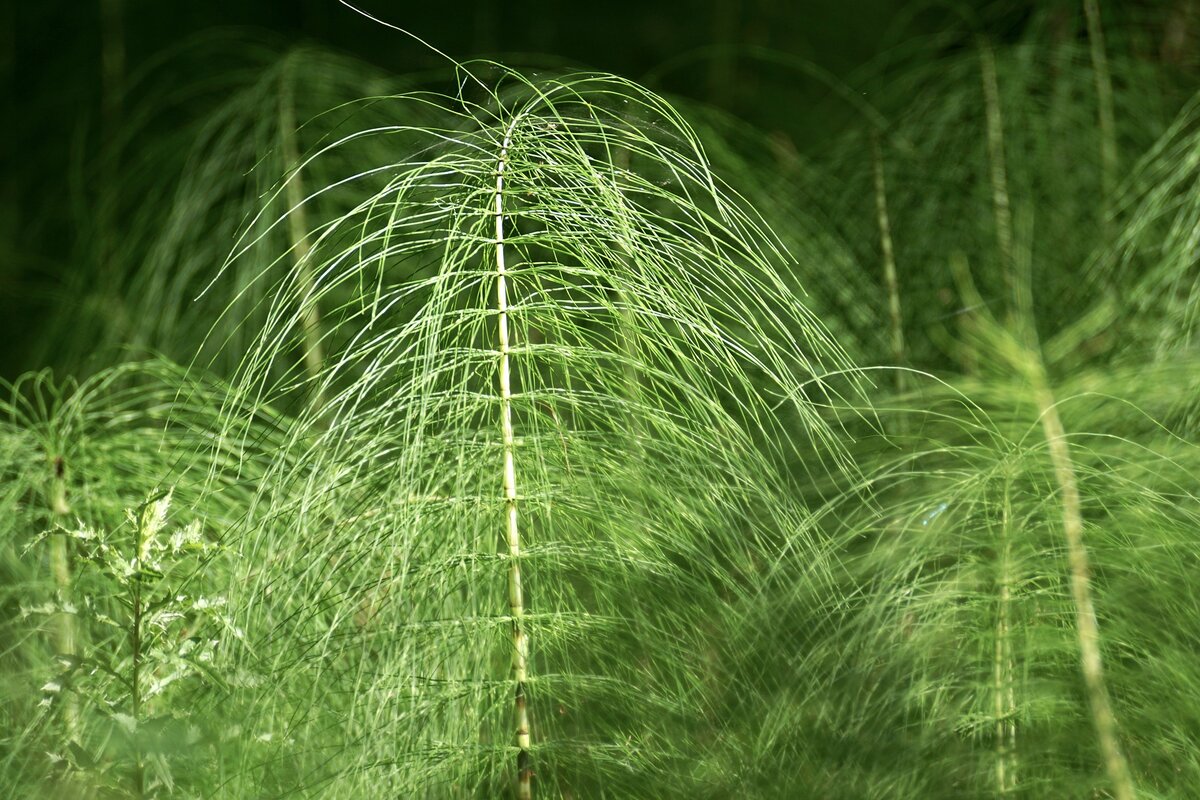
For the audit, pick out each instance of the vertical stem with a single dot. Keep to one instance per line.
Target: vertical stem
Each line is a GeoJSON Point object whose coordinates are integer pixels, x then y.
{"type": "Point", "coordinates": [516, 601]}
{"type": "Point", "coordinates": [999, 171]}
{"type": "Point", "coordinates": [60, 566]}
{"type": "Point", "coordinates": [889, 261]}
{"type": "Point", "coordinates": [310, 314]}
{"type": "Point", "coordinates": [1177, 34]}
{"type": "Point", "coordinates": [135, 688]}
{"type": "Point", "coordinates": [1003, 673]}
{"type": "Point", "coordinates": [1104, 98]}
{"type": "Point", "coordinates": [1087, 628]}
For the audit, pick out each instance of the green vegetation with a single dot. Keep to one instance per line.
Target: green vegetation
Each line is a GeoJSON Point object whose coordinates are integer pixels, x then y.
{"type": "Point", "coordinates": [492, 432]}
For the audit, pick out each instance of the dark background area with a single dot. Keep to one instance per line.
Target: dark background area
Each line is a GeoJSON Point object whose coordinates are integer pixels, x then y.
{"type": "Point", "coordinates": [65, 69]}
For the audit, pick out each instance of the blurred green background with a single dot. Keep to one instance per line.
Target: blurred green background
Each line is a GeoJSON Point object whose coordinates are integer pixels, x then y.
{"type": "Point", "coordinates": [71, 74]}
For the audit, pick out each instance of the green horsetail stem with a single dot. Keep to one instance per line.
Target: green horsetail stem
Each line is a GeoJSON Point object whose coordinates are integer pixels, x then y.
{"type": "Point", "coordinates": [1004, 691]}
{"type": "Point", "coordinates": [889, 261]}
{"type": "Point", "coordinates": [1104, 97]}
{"type": "Point", "coordinates": [1001, 204]}
{"type": "Point", "coordinates": [1087, 629]}
{"type": "Point", "coordinates": [310, 314]}
{"type": "Point", "coordinates": [65, 633]}
{"type": "Point", "coordinates": [516, 599]}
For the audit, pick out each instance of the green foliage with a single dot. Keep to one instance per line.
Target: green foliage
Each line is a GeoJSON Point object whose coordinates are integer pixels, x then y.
{"type": "Point", "coordinates": [523, 447]}
{"type": "Point", "coordinates": [151, 637]}
{"type": "Point", "coordinates": [557, 279]}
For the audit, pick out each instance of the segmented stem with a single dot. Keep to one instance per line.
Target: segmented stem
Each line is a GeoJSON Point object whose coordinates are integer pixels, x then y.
{"type": "Point", "coordinates": [1004, 691]}
{"type": "Point", "coordinates": [60, 566]}
{"type": "Point", "coordinates": [889, 262]}
{"type": "Point", "coordinates": [310, 314]}
{"type": "Point", "coordinates": [1001, 205]}
{"type": "Point", "coordinates": [1104, 97]}
{"type": "Point", "coordinates": [516, 601]}
{"type": "Point", "coordinates": [1087, 628]}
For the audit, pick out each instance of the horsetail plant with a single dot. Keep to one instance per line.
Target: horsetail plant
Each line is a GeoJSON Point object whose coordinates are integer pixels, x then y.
{"type": "Point", "coordinates": [626, 283]}
{"type": "Point", "coordinates": [515, 461]}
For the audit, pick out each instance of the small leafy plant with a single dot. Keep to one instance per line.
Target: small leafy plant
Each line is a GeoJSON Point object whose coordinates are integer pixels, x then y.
{"type": "Point", "coordinates": [153, 633]}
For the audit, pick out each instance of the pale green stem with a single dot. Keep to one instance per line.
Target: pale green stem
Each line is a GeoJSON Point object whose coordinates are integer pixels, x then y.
{"type": "Point", "coordinates": [1001, 205]}
{"type": "Point", "coordinates": [136, 644]}
{"type": "Point", "coordinates": [65, 634]}
{"type": "Point", "coordinates": [1087, 628]}
{"type": "Point", "coordinates": [310, 314]}
{"type": "Point", "coordinates": [1004, 692]}
{"type": "Point", "coordinates": [516, 601]}
{"type": "Point", "coordinates": [889, 262]}
{"type": "Point", "coordinates": [1104, 98]}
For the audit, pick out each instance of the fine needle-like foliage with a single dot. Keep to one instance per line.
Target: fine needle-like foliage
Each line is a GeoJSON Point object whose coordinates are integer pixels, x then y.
{"type": "Point", "coordinates": [561, 380]}
{"type": "Point", "coordinates": [521, 449]}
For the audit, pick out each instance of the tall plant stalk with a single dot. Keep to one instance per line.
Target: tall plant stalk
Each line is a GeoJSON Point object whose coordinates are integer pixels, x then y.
{"type": "Point", "coordinates": [889, 262]}
{"type": "Point", "coordinates": [1087, 628]}
{"type": "Point", "coordinates": [1001, 203]}
{"type": "Point", "coordinates": [65, 635]}
{"type": "Point", "coordinates": [310, 314]}
{"type": "Point", "coordinates": [137, 611]}
{"type": "Point", "coordinates": [1104, 97]}
{"type": "Point", "coordinates": [516, 598]}
{"type": "Point", "coordinates": [1004, 690]}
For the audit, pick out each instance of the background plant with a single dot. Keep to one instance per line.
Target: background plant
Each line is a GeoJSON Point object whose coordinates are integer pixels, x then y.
{"type": "Point", "coordinates": [152, 637]}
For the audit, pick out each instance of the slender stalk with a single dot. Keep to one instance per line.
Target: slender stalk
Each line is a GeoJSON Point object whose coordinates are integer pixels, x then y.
{"type": "Point", "coordinates": [135, 684]}
{"type": "Point", "coordinates": [1001, 205]}
{"type": "Point", "coordinates": [516, 601]}
{"type": "Point", "coordinates": [1004, 691]}
{"type": "Point", "coordinates": [1177, 32]}
{"type": "Point", "coordinates": [889, 262]}
{"type": "Point", "coordinates": [60, 566]}
{"type": "Point", "coordinates": [1087, 628]}
{"type": "Point", "coordinates": [310, 314]}
{"type": "Point", "coordinates": [1104, 97]}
